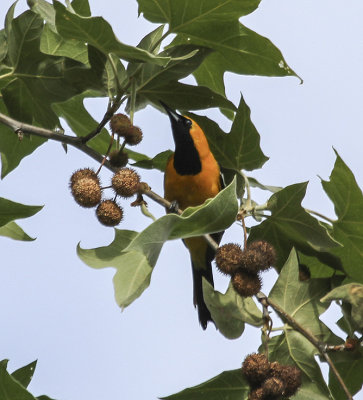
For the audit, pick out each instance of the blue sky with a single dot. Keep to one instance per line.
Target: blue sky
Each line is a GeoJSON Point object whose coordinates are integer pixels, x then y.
{"type": "Point", "coordinates": [61, 312]}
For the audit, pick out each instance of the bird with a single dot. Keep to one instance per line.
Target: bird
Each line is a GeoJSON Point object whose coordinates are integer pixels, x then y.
{"type": "Point", "coordinates": [192, 175]}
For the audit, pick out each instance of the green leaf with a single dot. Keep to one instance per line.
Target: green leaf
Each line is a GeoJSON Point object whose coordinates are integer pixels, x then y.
{"type": "Point", "coordinates": [237, 49]}
{"type": "Point", "coordinates": [300, 299]}
{"type": "Point", "coordinates": [229, 385]}
{"type": "Point", "coordinates": [134, 265]}
{"type": "Point", "coordinates": [239, 149]}
{"type": "Point", "coordinates": [12, 149]}
{"type": "Point", "coordinates": [348, 229]}
{"type": "Point", "coordinates": [10, 388]}
{"type": "Point", "coordinates": [353, 294]}
{"type": "Point", "coordinates": [290, 225]}
{"type": "Point", "coordinates": [98, 32]}
{"type": "Point", "coordinates": [9, 211]}
{"type": "Point", "coordinates": [25, 374]}
{"type": "Point", "coordinates": [158, 162]}
{"type": "Point", "coordinates": [185, 16]}
{"type": "Point", "coordinates": [13, 231]}
{"type": "Point", "coordinates": [230, 311]}
{"type": "Point", "coordinates": [32, 87]}
{"type": "Point", "coordinates": [182, 96]}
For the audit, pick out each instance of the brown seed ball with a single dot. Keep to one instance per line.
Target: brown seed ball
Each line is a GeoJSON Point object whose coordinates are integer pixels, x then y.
{"type": "Point", "coordinates": [290, 375]}
{"type": "Point", "coordinates": [255, 368]}
{"type": "Point", "coordinates": [133, 135]}
{"type": "Point", "coordinates": [119, 123]}
{"type": "Point", "coordinates": [259, 256]}
{"type": "Point", "coordinates": [273, 387]}
{"type": "Point", "coordinates": [83, 173]}
{"type": "Point", "coordinates": [118, 159]}
{"type": "Point", "coordinates": [256, 394]}
{"type": "Point", "coordinates": [228, 258]}
{"type": "Point", "coordinates": [109, 213]}
{"type": "Point", "coordinates": [245, 283]}
{"type": "Point", "coordinates": [86, 192]}
{"type": "Point", "coordinates": [125, 182]}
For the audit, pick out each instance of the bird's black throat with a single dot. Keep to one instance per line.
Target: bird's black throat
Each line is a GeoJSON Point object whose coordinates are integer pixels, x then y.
{"type": "Point", "coordinates": [186, 157]}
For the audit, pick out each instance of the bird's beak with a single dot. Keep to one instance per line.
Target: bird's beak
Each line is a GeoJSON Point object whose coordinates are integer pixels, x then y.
{"type": "Point", "coordinates": [173, 115]}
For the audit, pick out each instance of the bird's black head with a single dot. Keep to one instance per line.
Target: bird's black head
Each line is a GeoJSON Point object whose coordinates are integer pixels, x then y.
{"type": "Point", "coordinates": [186, 156]}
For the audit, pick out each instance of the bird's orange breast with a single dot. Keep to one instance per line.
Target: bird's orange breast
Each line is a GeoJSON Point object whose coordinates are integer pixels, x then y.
{"type": "Point", "coordinates": [192, 190]}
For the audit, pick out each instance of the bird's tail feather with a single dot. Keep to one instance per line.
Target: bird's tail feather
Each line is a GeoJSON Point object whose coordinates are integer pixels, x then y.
{"type": "Point", "coordinates": [198, 275]}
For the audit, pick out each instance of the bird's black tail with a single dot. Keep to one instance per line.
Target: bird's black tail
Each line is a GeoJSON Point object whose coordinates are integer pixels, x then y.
{"type": "Point", "coordinates": [203, 312]}
{"type": "Point", "coordinates": [198, 275]}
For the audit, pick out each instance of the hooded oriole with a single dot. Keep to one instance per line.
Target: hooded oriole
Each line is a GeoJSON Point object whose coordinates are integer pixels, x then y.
{"type": "Point", "coordinates": [192, 176]}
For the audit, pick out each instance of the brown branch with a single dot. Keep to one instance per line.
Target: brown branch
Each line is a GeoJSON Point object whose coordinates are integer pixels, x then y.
{"type": "Point", "coordinates": [145, 190]}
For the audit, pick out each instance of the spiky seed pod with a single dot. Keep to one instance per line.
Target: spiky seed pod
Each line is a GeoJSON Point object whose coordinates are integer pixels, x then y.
{"type": "Point", "coordinates": [256, 394]}
{"type": "Point", "coordinates": [290, 375]}
{"type": "Point", "coordinates": [133, 135]}
{"type": "Point", "coordinates": [119, 123]}
{"type": "Point", "coordinates": [259, 256]}
{"type": "Point", "coordinates": [273, 387]}
{"type": "Point", "coordinates": [245, 283]}
{"type": "Point", "coordinates": [125, 182]}
{"type": "Point", "coordinates": [83, 173]}
{"type": "Point", "coordinates": [228, 258]}
{"type": "Point", "coordinates": [255, 368]}
{"type": "Point", "coordinates": [86, 192]}
{"type": "Point", "coordinates": [109, 213]}
{"type": "Point", "coordinates": [118, 159]}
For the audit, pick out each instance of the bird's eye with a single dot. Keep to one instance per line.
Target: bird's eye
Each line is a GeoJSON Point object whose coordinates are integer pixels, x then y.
{"type": "Point", "coordinates": [188, 123]}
